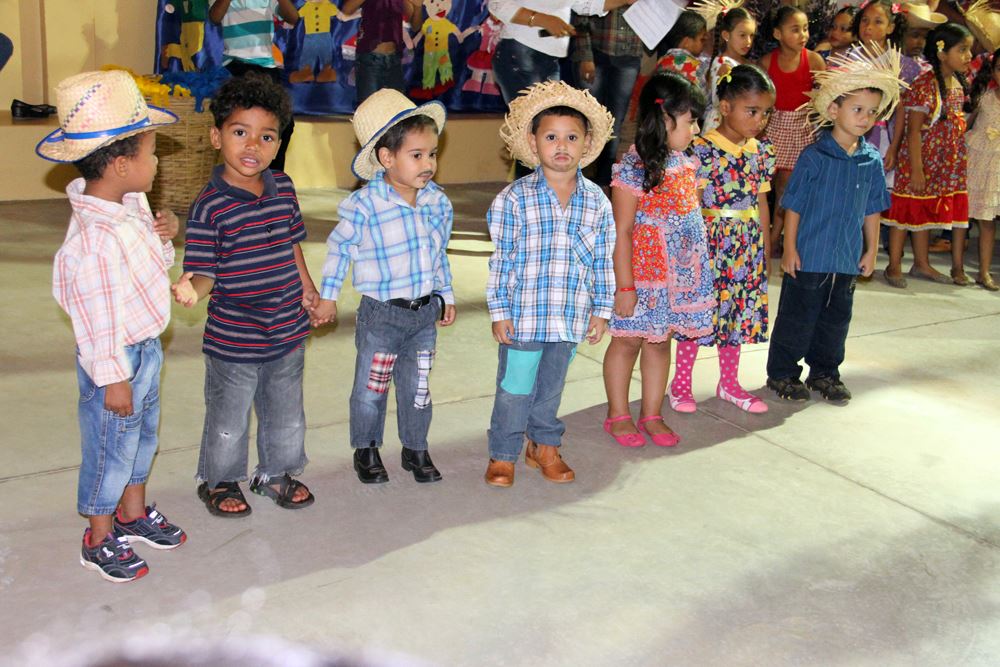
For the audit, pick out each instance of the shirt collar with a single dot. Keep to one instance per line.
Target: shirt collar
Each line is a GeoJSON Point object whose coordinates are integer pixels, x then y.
{"type": "Point", "coordinates": [717, 138]}
{"type": "Point", "coordinates": [540, 183]}
{"type": "Point", "coordinates": [223, 186]}
{"type": "Point", "coordinates": [131, 203]}
{"type": "Point", "coordinates": [386, 191]}
{"type": "Point", "coordinates": [829, 146]}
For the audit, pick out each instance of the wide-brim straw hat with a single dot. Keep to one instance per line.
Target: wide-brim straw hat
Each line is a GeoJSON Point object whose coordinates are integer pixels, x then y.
{"type": "Point", "coordinates": [711, 9]}
{"type": "Point", "coordinates": [541, 96]}
{"type": "Point", "coordinates": [984, 23]}
{"type": "Point", "coordinates": [376, 115]}
{"type": "Point", "coordinates": [96, 109]}
{"type": "Point", "coordinates": [859, 68]}
{"type": "Point", "coordinates": [919, 15]}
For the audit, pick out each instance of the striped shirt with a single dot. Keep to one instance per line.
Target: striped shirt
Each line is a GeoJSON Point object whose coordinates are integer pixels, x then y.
{"type": "Point", "coordinates": [398, 250]}
{"type": "Point", "coordinates": [552, 268]}
{"type": "Point", "coordinates": [833, 192]}
{"type": "Point", "coordinates": [247, 32]}
{"type": "Point", "coordinates": [246, 244]}
{"type": "Point", "coordinates": [110, 277]}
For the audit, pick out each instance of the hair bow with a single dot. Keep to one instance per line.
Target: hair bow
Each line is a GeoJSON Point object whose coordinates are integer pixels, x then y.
{"type": "Point", "coordinates": [658, 100]}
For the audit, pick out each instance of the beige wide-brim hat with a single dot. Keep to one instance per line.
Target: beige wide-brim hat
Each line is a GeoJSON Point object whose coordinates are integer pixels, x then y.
{"type": "Point", "coordinates": [533, 100]}
{"type": "Point", "coordinates": [984, 23]}
{"type": "Point", "coordinates": [859, 68]}
{"type": "Point", "coordinates": [376, 115]}
{"type": "Point", "coordinates": [920, 16]}
{"type": "Point", "coordinates": [96, 109]}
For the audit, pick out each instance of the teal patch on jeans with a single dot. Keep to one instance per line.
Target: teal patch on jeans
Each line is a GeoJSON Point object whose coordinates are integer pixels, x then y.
{"type": "Point", "coordinates": [522, 368]}
{"type": "Point", "coordinates": [572, 356]}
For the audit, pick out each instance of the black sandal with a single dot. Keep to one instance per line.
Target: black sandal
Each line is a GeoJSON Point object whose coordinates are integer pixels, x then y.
{"type": "Point", "coordinates": [223, 491]}
{"type": "Point", "coordinates": [282, 497]}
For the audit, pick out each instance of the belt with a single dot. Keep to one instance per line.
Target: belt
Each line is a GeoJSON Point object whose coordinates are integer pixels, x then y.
{"type": "Point", "coordinates": [411, 304]}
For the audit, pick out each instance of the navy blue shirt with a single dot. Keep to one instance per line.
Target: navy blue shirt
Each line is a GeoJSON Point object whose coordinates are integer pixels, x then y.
{"type": "Point", "coordinates": [833, 192]}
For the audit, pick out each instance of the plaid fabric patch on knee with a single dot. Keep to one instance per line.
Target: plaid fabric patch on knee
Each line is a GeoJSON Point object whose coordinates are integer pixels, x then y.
{"type": "Point", "coordinates": [522, 369]}
{"type": "Point", "coordinates": [425, 359]}
{"type": "Point", "coordinates": [381, 372]}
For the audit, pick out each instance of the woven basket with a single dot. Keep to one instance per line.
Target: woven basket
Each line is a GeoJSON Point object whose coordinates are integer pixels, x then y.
{"type": "Point", "coordinates": [186, 158]}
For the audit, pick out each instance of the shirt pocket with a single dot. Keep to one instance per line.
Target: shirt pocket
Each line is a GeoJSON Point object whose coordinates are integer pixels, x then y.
{"type": "Point", "coordinates": [584, 244]}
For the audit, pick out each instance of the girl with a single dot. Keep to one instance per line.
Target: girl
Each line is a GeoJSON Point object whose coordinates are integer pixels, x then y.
{"type": "Point", "coordinates": [790, 67]}
{"type": "Point", "coordinates": [680, 47]}
{"type": "Point", "coordinates": [983, 142]}
{"type": "Point", "coordinates": [734, 177]}
{"type": "Point", "coordinates": [661, 259]}
{"type": "Point", "coordinates": [930, 191]}
{"type": "Point", "coordinates": [841, 34]}
{"type": "Point", "coordinates": [736, 30]}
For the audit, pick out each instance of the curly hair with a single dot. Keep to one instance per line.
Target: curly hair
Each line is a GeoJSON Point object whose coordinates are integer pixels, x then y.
{"type": "Point", "coordinates": [668, 94]}
{"type": "Point", "coordinates": [92, 167]}
{"type": "Point", "coordinates": [249, 91]}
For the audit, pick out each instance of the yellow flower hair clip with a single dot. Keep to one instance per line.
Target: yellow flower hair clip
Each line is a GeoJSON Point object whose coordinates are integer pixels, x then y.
{"type": "Point", "coordinates": [727, 78]}
{"type": "Point", "coordinates": [940, 45]}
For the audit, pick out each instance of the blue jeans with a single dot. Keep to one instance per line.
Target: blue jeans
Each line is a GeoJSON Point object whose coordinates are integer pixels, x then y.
{"type": "Point", "coordinates": [118, 451]}
{"type": "Point", "coordinates": [814, 314]}
{"type": "Point", "coordinates": [614, 78]}
{"type": "Point", "coordinates": [274, 390]}
{"type": "Point", "coordinates": [530, 381]}
{"type": "Point", "coordinates": [375, 71]}
{"type": "Point", "coordinates": [394, 344]}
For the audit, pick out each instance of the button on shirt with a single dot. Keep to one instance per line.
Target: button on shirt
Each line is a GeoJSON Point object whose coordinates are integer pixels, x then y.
{"type": "Point", "coordinates": [833, 192]}
{"type": "Point", "coordinates": [552, 268]}
{"type": "Point", "coordinates": [315, 16]}
{"type": "Point", "coordinates": [110, 277]}
{"type": "Point", "coordinates": [398, 250]}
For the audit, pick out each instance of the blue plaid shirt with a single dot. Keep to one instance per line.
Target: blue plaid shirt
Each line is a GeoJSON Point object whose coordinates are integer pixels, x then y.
{"type": "Point", "coordinates": [398, 250]}
{"type": "Point", "coordinates": [552, 268]}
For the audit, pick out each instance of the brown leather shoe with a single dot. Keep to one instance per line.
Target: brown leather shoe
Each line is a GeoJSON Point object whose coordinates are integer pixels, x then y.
{"type": "Point", "coordinates": [500, 473]}
{"type": "Point", "coordinates": [547, 459]}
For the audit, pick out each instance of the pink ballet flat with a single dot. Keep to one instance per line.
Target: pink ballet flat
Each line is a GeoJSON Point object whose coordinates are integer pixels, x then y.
{"type": "Point", "coordinates": [684, 404]}
{"type": "Point", "coordinates": [753, 405]}
{"type": "Point", "coordinates": [659, 439]}
{"type": "Point", "coordinates": [626, 439]}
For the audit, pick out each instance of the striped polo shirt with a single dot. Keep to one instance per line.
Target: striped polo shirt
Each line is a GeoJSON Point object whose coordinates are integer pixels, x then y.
{"type": "Point", "coordinates": [246, 244]}
{"type": "Point", "coordinates": [247, 32]}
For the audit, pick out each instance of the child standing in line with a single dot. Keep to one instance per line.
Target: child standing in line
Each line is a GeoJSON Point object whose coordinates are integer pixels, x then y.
{"type": "Point", "coordinates": [661, 260]}
{"type": "Point", "coordinates": [920, 20]}
{"type": "Point", "coordinates": [243, 251]}
{"type": "Point", "coordinates": [681, 47]}
{"type": "Point", "coordinates": [833, 203]}
{"type": "Point", "coordinates": [736, 31]}
{"type": "Point", "coordinates": [841, 35]}
{"type": "Point", "coordinates": [552, 280]}
{"type": "Point", "coordinates": [930, 189]}
{"type": "Point", "coordinates": [395, 231]}
{"type": "Point", "coordinates": [110, 277]}
{"type": "Point", "coordinates": [734, 176]}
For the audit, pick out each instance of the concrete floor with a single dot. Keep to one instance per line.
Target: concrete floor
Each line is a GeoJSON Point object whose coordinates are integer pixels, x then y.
{"type": "Point", "coordinates": [859, 535]}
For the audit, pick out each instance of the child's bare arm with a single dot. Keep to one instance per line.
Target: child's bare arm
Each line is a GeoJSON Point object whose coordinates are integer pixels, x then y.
{"type": "Point", "coordinates": [914, 137]}
{"type": "Point", "coordinates": [624, 204]}
{"type": "Point", "coordinates": [218, 10]}
{"type": "Point", "coordinates": [764, 213]}
{"type": "Point", "coordinates": [166, 224]}
{"type": "Point", "coordinates": [191, 288]}
{"type": "Point", "coordinates": [287, 11]}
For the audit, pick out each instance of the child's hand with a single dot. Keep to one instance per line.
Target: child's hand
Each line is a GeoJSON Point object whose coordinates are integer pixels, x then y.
{"type": "Point", "coordinates": [625, 303]}
{"type": "Point", "coordinates": [917, 181]}
{"type": "Point", "coordinates": [323, 312]}
{"type": "Point", "coordinates": [118, 398]}
{"type": "Point", "coordinates": [790, 262]}
{"type": "Point", "coordinates": [867, 264]}
{"type": "Point", "coordinates": [166, 225]}
{"type": "Point", "coordinates": [310, 297]}
{"type": "Point", "coordinates": [595, 329]}
{"type": "Point", "coordinates": [889, 161]}
{"type": "Point", "coordinates": [184, 292]}
{"type": "Point", "coordinates": [449, 315]}
{"type": "Point", "coordinates": [502, 331]}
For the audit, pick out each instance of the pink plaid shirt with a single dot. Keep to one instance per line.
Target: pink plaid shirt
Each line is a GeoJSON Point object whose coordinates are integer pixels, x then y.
{"type": "Point", "coordinates": [110, 277]}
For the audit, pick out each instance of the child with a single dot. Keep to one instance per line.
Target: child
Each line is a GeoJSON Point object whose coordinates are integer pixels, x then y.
{"type": "Point", "coordinates": [380, 42]}
{"type": "Point", "coordinates": [791, 68]}
{"type": "Point", "coordinates": [681, 47]}
{"type": "Point", "coordinates": [841, 36]}
{"type": "Point", "coordinates": [660, 259]}
{"type": "Point", "coordinates": [110, 277]}
{"type": "Point", "coordinates": [734, 176]}
{"type": "Point", "coordinates": [242, 249]}
{"type": "Point", "coordinates": [930, 189]}
{"type": "Point", "coordinates": [736, 30]}
{"type": "Point", "coordinates": [395, 229]}
{"type": "Point", "coordinates": [920, 20]}
{"type": "Point", "coordinates": [551, 279]}
{"type": "Point", "coordinates": [833, 201]}
{"type": "Point", "coordinates": [983, 142]}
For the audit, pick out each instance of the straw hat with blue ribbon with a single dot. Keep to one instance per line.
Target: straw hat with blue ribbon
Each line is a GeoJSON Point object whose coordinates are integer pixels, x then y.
{"type": "Point", "coordinates": [376, 115]}
{"type": "Point", "coordinates": [96, 109]}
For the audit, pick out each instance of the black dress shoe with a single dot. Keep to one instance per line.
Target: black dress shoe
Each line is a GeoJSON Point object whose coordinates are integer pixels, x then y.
{"type": "Point", "coordinates": [19, 109]}
{"type": "Point", "coordinates": [419, 461]}
{"type": "Point", "coordinates": [369, 466]}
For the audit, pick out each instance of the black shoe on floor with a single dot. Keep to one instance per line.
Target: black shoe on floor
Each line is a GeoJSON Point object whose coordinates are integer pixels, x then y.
{"type": "Point", "coordinates": [831, 388]}
{"type": "Point", "coordinates": [368, 465]}
{"type": "Point", "coordinates": [419, 461]}
{"type": "Point", "coordinates": [790, 389]}
{"type": "Point", "coordinates": [19, 109]}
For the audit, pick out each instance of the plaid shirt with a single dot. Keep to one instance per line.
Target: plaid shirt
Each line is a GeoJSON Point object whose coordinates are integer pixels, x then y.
{"type": "Point", "coordinates": [552, 268]}
{"type": "Point", "coordinates": [398, 250]}
{"type": "Point", "coordinates": [110, 277]}
{"type": "Point", "coordinates": [609, 34]}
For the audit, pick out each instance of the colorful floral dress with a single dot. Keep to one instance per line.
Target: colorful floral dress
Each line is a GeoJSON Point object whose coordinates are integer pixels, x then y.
{"type": "Point", "coordinates": [732, 176]}
{"type": "Point", "coordinates": [983, 141]}
{"type": "Point", "coordinates": [673, 278]}
{"type": "Point", "coordinates": [944, 202]}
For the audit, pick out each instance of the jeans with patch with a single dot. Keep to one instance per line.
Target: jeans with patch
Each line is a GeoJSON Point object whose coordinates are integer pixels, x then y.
{"type": "Point", "coordinates": [375, 71]}
{"type": "Point", "coordinates": [274, 390]}
{"type": "Point", "coordinates": [614, 78]}
{"type": "Point", "coordinates": [118, 451]}
{"type": "Point", "coordinates": [394, 344]}
{"type": "Point", "coordinates": [530, 381]}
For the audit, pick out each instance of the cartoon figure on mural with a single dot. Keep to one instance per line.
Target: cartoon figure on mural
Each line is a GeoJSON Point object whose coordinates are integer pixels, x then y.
{"type": "Point", "coordinates": [192, 38]}
{"type": "Point", "coordinates": [437, 60]}
{"type": "Point", "coordinates": [316, 56]}
{"type": "Point", "coordinates": [480, 63]}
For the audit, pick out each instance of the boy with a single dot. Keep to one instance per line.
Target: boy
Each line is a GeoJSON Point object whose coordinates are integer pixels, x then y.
{"type": "Point", "coordinates": [395, 229]}
{"type": "Point", "coordinates": [551, 279]}
{"type": "Point", "coordinates": [242, 247]}
{"type": "Point", "coordinates": [823, 252]}
{"type": "Point", "coordinates": [111, 279]}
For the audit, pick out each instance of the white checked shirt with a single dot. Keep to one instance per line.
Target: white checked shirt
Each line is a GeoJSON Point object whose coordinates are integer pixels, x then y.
{"type": "Point", "coordinates": [110, 277]}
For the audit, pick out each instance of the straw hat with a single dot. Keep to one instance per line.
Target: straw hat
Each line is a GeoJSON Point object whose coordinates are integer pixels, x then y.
{"type": "Point", "coordinates": [984, 23]}
{"type": "Point", "coordinates": [375, 116]}
{"type": "Point", "coordinates": [919, 15]}
{"type": "Point", "coordinates": [861, 67]}
{"type": "Point", "coordinates": [541, 96]}
{"type": "Point", "coordinates": [97, 109]}
{"type": "Point", "coordinates": [711, 9]}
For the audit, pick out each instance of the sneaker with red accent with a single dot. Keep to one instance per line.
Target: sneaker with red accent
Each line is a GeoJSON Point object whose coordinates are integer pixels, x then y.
{"type": "Point", "coordinates": [113, 559]}
{"type": "Point", "coordinates": [153, 529]}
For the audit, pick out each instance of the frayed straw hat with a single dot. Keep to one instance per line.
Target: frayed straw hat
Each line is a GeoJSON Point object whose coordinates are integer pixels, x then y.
{"type": "Point", "coordinates": [859, 68]}
{"type": "Point", "coordinates": [541, 96]}
{"type": "Point", "coordinates": [984, 23]}
{"type": "Point", "coordinates": [376, 115]}
{"type": "Point", "coordinates": [919, 15]}
{"type": "Point", "coordinates": [97, 109]}
{"type": "Point", "coordinates": [711, 9]}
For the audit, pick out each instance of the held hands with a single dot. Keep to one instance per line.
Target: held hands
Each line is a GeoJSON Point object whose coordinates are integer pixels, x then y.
{"type": "Point", "coordinates": [790, 262]}
{"type": "Point", "coordinates": [166, 225]}
{"type": "Point", "coordinates": [502, 331]}
{"type": "Point", "coordinates": [595, 329]}
{"type": "Point", "coordinates": [867, 264]}
{"type": "Point", "coordinates": [449, 316]}
{"type": "Point", "coordinates": [310, 299]}
{"type": "Point", "coordinates": [323, 312]}
{"type": "Point", "coordinates": [625, 303]}
{"type": "Point", "coordinates": [184, 292]}
{"type": "Point", "coordinates": [118, 398]}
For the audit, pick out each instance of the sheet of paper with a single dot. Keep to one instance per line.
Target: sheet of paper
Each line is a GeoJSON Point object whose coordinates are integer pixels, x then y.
{"type": "Point", "coordinates": [652, 19]}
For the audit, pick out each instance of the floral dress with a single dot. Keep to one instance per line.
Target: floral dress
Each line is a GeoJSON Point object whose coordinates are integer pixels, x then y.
{"type": "Point", "coordinates": [944, 202]}
{"type": "Point", "coordinates": [881, 133]}
{"type": "Point", "coordinates": [673, 278]}
{"type": "Point", "coordinates": [732, 176]}
{"type": "Point", "coordinates": [983, 141]}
